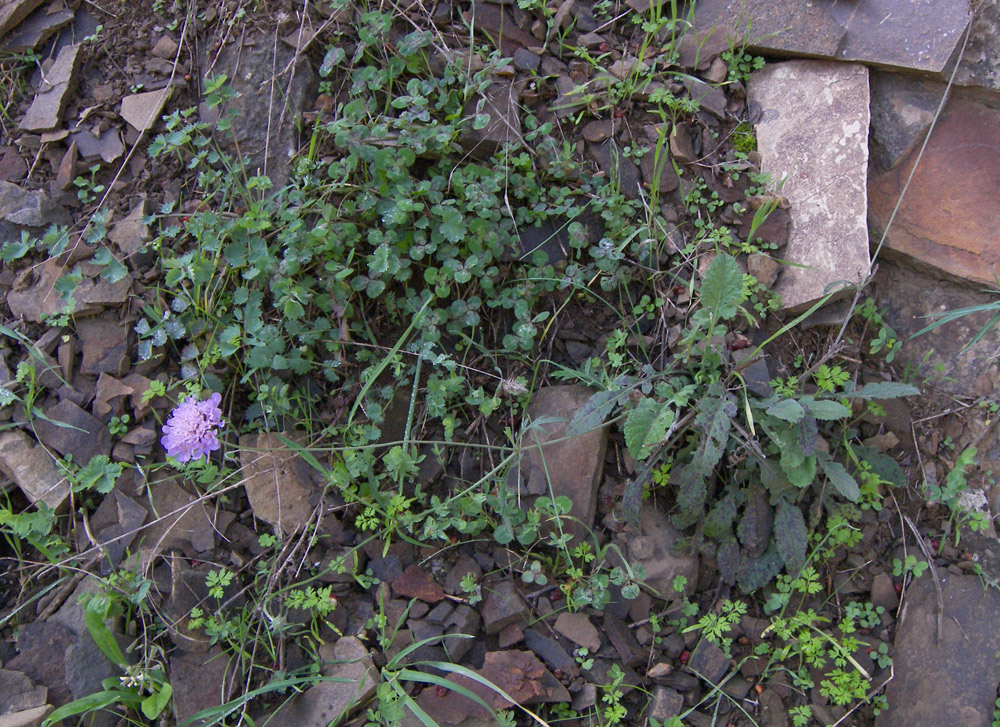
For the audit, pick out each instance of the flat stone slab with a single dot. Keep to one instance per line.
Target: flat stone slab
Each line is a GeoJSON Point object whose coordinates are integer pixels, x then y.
{"type": "Point", "coordinates": [38, 28]}
{"type": "Point", "coordinates": [142, 110]}
{"type": "Point", "coordinates": [949, 216]}
{"type": "Point", "coordinates": [45, 112]}
{"type": "Point", "coordinates": [32, 469]}
{"type": "Point", "coordinates": [951, 678]}
{"type": "Point", "coordinates": [14, 11]}
{"type": "Point", "coordinates": [277, 481]}
{"type": "Point", "coordinates": [917, 34]}
{"type": "Point", "coordinates": [555, 465]}
{"type": "Point", "coordinates": [813, 134]}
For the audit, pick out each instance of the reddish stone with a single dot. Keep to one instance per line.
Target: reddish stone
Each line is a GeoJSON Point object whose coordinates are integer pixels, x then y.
{"type": "Point", "coordinates": [416, 583]}
{"type": "Point", "coordinates": [949, 216]}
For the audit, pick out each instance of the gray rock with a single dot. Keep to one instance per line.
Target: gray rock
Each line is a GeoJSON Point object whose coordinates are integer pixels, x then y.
{"type": "Point", "coordinates": [45, 112]}
{"type": "Point", "coordinates": [980, 64]}
{"type": "Point", "coordinates": [72, 431]}
{"type": "Point", "coordinates": [708, 662]}
{"type": "Point", "coordinates": [463, 566]}
{"type": "Point", "coordinates": [763, 267]}
{"type": "Point", "coordinates": [948, 677]}
{"type": "Point", "coordinates": [29, 209]}
{"type": "Point", "coordinates": [883, 593]}
{"type": "Point", "coordinates": [18, 692]}
{"type": "Point", "coordinates": [666, 703]}
{"type": "Point", "coordinates": [463, 620]}
{"type": "Point", "coordinates": [503, 606]}
{"type": "Point", "coordinates": [650, 163]}
{"type": "Point", "coordinates": [652, 548]}
{"type": "Point", "coordinates": [711, 98]}
{"type": "Point", "coordinates": [36, 29]}
{"type": "Point", "coordinates": [571, 467]}
{"type": "Point", "coordinates": [116, 523]}
{"type": "Point", "coordinates": [277, 480]}
{"type": "Point", "coordinates": [12, 13]}
{"type": "Point", "coordinates": [107, 147]}
{"type": "Point", "coordinates": [814, 135]}
{"type": "Point", "coordinates": [318, 706]}
{"type": "Point", "coordinates": [552, 653]}
{"type": "Point", "coordinates": [917, 34]}
{"type": "Point", "coordinates": [525, 60]}
{"type": "Point", "coordinates": [903, 107]}
{"type": "Point", "coordinates": [178, 520]}
{"type": "Point", "coordinates": [32, 469]}
{"type": "Point", "coordinates": [274, 88]}
{"type": "Point", "coordinates": [624, 641]}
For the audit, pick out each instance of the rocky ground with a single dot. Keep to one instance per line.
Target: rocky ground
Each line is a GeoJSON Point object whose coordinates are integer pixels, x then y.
{"type": "Point", "coordinates": [839, 106]}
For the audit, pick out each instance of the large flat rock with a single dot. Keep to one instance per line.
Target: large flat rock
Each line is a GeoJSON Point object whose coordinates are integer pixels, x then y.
{"type": "Point", "coordinates": [32, 469]}
{"type": "Point", "coordinates": [949, 217]}
{"type": "Point", "coordinates": [813, 134]}
{"type": "Point", "coordinates": [45, 112]}
{"type": "Point", "coordinates": [918, 34]}
{"type": "Point", "coordinates": [555, 465]}
{"type": "Point", "coordinates": [951, 678]}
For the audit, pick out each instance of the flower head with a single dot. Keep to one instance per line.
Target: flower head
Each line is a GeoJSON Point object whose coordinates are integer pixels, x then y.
{"type": "Point", "coordinates": [190, 432]}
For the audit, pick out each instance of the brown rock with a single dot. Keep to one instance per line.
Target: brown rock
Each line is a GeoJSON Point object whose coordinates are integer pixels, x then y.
{"type": "Point", "coordinates": [681, 144]}
{"type": "Point", "coordinates": [415, 582]}
{"type": "Point", "coordinates": [956, 176]}
{"type": "Point", "coordinates": [763, 267]}
{"type": "Point", "coordinates": [577, 628]}
{"type": "Point", "coordinates": [179, 520]}
{"type": "Point", "coordinates": [947, 677]}
{"type": "Point", "coordinates": [503, 606]}
{"type": "Point", "coordinates": [668, 179]}
{"type": "Point", "coordinates": [45, 112]}
{"type": "Point", "coordinates": [917, 34]}
{"type": "Point", "coordinates": [74, 432]}
{"type": "Point", "coordinates": [32, 469]}
{"type": "Point", "coordinates": [278, 482]}
{"type": "Point", "coordinates": [354, 679]}
{"type": "Point", "coordinates": [610, 159]}
{"type": "Point", "coordinates": [12, 165]}
{"type": "Point", "coordinates": [557, 466]}
{"type": "Point", "coordinates": [200, 681]}
{"type": "Point", "coordinates": [104, 341]}
{"type": "Point", "coordinates": [598, 130]}
{"type": "Point", "coordinates": [33, 295]}
{"type": "Point", "coordinates": [499, 102]}
{"type": "Point", "coordinates": [165, 47]}
{"type": "Point", "coordinates": [142, 110]}
{"type": "Point", "coordinates": [814, 135]}
{"type": "Point", "coordinates": [67, 168]}
{"type": "Point", "coordinates": [109, 388]}
{"type": "Point", "coordinates": [653, 548]}
{"type": "Point", "coordinates": [496, 23]}
{"type": "Point", "coordinates": [42, 647]}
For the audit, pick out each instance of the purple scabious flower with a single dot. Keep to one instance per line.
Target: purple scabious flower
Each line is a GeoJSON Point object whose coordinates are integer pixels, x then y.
{"type": "Point", "coordinates": [190, 432]}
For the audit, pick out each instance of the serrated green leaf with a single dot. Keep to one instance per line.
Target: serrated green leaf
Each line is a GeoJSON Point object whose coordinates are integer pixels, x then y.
{"type": "Point", "coordinates": [722, 287]}
{"type": "Point", "coordinates": [882, 465]}
{"type": "Point", "coordinates": [807, 435]}
{"type": "Point", "coordinates": [691, 492]}
{"type": "Point", "coordinates": [883, 390]}
{"type": "Point", "coordinates": [787, 410]}
{"type": "Point", "coordinates": [840, 479]}
{"type": "Point", "coordinates": [646, 426]}
{"type": "Point", "coordinates": [826, 410]}
{"type": "Point", "coordinates": [790, 536]}
{"type": "Point", "coordinates": [594, 411]}
{"type": "Point", "coordinates": [719, 521]}
{"type": "Point", "coordinates": [755, 573]}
